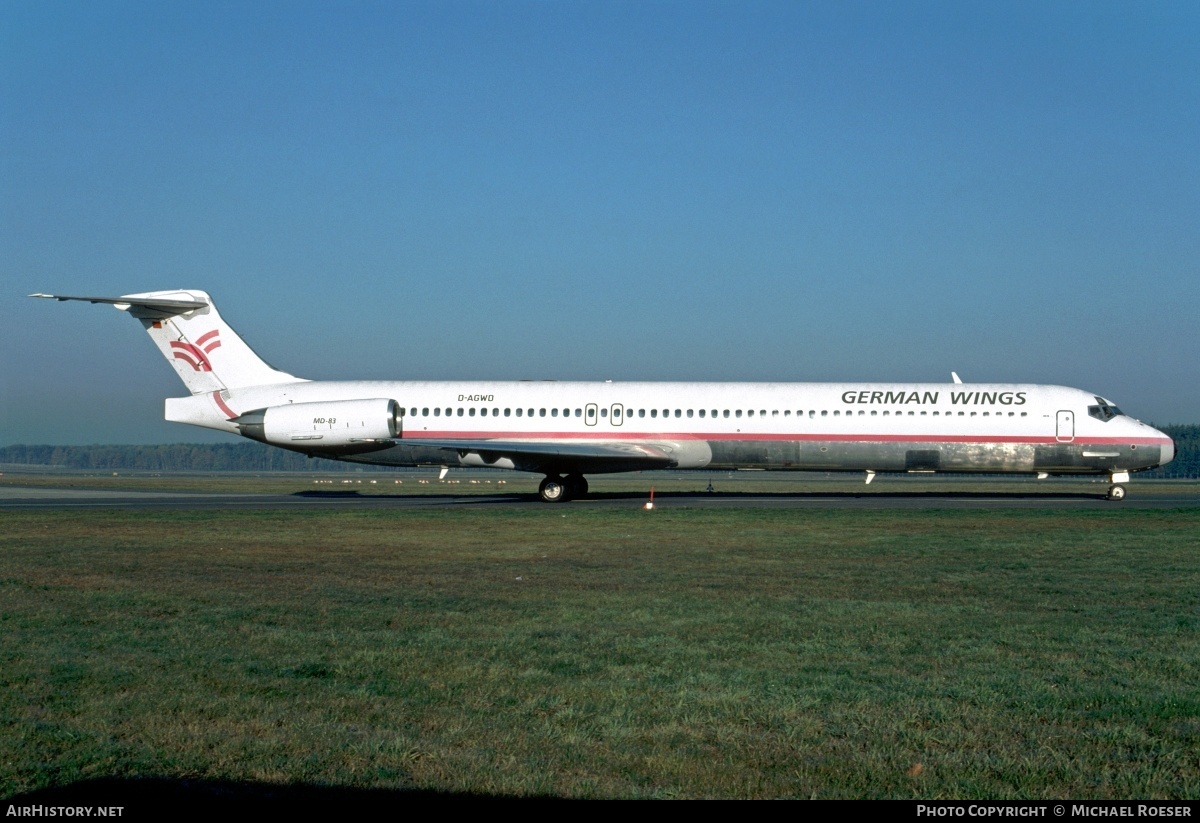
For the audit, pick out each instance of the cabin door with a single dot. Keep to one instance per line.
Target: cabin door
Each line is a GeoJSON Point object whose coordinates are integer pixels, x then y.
{"type": "Point", "coordinates": [616, 414]}
{"type": "Point", "coordinates": [1066, 427]}
{"type": "Point", "coordinates": [589, 414]}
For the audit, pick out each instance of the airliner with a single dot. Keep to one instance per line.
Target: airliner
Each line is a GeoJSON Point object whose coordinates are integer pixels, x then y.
{"type": "Point", "coordinates": [567, 430]}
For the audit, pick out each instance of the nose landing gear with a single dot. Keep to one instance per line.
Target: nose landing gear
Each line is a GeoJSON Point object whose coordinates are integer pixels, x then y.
{"type": "Point", "coordinates": [1116, 492]}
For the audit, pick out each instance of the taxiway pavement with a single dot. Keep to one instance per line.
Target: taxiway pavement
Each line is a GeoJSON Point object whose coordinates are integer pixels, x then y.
{"type": "Point", "coordinates": [34, 497]}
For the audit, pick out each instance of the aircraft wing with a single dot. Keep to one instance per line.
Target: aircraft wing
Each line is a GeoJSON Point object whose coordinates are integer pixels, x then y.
{"type": "Point", "coordinates": [550, 457]}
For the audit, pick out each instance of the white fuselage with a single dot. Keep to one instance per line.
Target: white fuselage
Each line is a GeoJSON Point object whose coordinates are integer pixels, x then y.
{"type": "Point", "coordinates": [832, 426]}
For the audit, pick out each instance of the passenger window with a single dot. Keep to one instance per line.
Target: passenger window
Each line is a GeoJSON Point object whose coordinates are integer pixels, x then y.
{"type": "Point", "coordinates": [460, 411]}
{"type": "Point", "coordinates": [554, 412]}
{"type": "Point", "coordinates": [750, 413]}
{"type": "Point", "coordinates": [824, 414]}
{"type": "Point", "coordinates": [424, 412]}
{"type": "Point", "coordinates": [689, 413]}
{"type": "Point", "coordinates": [507, 412]}
{"type": "Point", "coordinates": [641, 412]}
{"type": "Point", "coordinates": [604, 412]}
{"type": "Point", "coordinates": [437, 412]}
{"type": "Point", "coordinates": [738, 413]}
{"type": "Point", "coordinates": [654, 412]}
{"type": "Point", "coordinates": [702, 412]}
{"type": "Point", "coordinates": [541, 412]}
{"type": "Point", "coordinates": [726, 413]}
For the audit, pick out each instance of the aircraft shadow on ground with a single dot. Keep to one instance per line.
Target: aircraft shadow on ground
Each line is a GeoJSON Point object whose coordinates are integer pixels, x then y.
{"type": "Point", "coordinates": [694, 495]}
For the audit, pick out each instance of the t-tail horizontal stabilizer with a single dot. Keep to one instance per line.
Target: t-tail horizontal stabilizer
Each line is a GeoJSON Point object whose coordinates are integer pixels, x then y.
{"type": "Point", "coordinates": [141, 308]}
{"type": "Point", "coordinates": [205, 352]}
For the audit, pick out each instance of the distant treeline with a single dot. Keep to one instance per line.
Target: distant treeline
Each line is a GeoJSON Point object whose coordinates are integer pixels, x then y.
{"type": "Point", "coordinates": [1187, 452]}
{"type": "Point", "coordinates": [257, 457]}
{"type": "Point", "coordinates": [175, 457]}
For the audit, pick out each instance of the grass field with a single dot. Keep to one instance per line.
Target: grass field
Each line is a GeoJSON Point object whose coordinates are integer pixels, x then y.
{"type": "Point", "coordinates": [562, 651]}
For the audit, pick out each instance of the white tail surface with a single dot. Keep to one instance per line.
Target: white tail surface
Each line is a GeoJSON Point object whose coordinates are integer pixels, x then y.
{"type": "Point", "coordinates": [206, 353]}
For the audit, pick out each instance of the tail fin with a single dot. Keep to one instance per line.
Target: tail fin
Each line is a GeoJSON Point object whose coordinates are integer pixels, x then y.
{"type": "Point", "coordinates": [207, 354]}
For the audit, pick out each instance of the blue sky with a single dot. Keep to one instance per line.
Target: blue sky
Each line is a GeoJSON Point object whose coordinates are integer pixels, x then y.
{"type": "Point", "coordinates": [601, 190]}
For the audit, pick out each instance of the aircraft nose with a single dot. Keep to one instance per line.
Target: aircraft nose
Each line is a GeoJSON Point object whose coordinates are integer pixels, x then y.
{"type": "Point", "coordinates": [1166, 452]}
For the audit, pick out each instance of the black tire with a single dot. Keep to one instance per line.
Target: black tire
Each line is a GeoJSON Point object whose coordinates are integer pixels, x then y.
{"type": "Point", "coordinates": [554, 490]}
{"type": "Point", "coordinates": [1116, 493]}
{"type": "Point", "coordinates": [577, 486]}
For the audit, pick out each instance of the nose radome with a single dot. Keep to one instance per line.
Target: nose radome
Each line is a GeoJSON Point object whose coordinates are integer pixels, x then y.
{"type": "Point", "coordinates": [1166, 452]}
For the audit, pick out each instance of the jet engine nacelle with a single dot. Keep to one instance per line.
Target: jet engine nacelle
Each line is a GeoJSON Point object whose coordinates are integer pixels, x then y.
{"type": "Point", "coordinates": [323, 425]}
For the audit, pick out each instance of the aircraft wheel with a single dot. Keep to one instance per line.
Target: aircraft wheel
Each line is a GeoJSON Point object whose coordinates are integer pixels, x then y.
{"type": "Point", "coordinates": [1116, 493]}
{"type": "Point", "coordinates": [553, 490]}
{"type": "Point", "coordinates": [577, 486]}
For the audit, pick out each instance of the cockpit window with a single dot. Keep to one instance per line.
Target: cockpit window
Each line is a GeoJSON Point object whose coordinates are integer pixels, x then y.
{"type": "Point", "coordinates": [1104, 411]}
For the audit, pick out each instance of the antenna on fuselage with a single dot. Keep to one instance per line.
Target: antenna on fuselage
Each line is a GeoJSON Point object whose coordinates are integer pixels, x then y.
{"type": "Point", "coordinates": [955, 376]}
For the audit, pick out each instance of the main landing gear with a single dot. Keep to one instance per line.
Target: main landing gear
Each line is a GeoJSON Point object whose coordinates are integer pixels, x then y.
{"type": "Point", "coordinates": [555, 489]}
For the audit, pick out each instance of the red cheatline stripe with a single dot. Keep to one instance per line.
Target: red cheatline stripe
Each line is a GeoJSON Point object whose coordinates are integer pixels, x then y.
{"type": "Point", "coordinates": [754, 436]}
{"type": "Point", "coordinates": [228, 412]}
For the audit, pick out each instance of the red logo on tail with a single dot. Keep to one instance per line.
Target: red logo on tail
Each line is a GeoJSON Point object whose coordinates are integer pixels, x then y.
{"type": "Point", "coordinates": [196, 354]}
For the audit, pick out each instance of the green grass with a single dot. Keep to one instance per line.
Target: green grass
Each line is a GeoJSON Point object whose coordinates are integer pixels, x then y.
{"type": "Point", "coordinates": [608, 653]}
